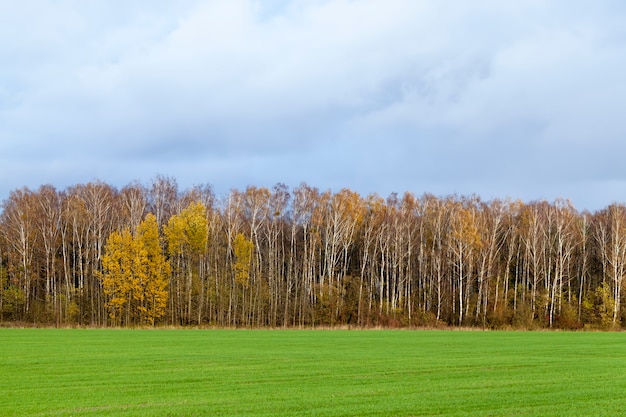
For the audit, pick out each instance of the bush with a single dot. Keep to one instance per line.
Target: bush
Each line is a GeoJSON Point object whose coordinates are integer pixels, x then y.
{"type": "Point", "coordinates": [568, 318]}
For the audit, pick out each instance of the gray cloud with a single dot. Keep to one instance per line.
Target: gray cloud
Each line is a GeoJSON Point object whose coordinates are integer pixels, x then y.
{"type": "Point", "coordinates": [489, 97]}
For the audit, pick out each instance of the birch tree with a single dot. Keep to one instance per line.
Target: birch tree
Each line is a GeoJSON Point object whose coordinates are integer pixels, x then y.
{"type": "Point", "coordinates": [157, 271]}
{"type": "Point", "coordinates": [48, 216]}
{"type": "Point", "coordinates": [611, 237]}
{"type": "Point", "coordinates": [465, 241]}
{"type": "Point", "coordinates": [186, 235]}
{"type": "Point", "coordinates": [19, 230]}
{"type": "Point", "coordinates": [135, 275]}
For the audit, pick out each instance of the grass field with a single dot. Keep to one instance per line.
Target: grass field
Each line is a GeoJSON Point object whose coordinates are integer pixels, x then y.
{"type": "Point", "coordinates": [48, 372]}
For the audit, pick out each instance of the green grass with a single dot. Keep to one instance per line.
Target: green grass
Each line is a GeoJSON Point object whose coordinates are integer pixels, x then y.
{"type": "Point", "coordinates": [47, 372]}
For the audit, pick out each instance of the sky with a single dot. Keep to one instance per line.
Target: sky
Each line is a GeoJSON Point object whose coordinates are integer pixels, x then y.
{"type": "Point", "coordinates": [501, 99]}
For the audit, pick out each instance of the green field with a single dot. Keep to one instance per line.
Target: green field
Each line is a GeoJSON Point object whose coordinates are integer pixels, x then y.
{"type": "Point", "coordinates": [48, 372]}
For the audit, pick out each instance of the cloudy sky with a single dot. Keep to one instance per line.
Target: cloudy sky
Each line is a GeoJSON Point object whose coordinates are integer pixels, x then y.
{"type": "Point", "coordinates": [520, 99]}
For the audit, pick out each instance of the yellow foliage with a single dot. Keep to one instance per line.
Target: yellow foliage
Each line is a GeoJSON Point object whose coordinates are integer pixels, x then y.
{"type": "Point", "coordinates": [157, 269]}
{"type": "Point", "coordinates": [135, 274]}
{"type": "Point", "coordinates": [243, 249]}
{"type": "Point", "coordinates": [465, 229]}
{"type": "Point", "coordinates": [188, 231]}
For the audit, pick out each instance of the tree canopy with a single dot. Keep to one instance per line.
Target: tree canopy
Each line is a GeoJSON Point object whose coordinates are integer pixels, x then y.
{"type": "Point", "coordinates": [95, 255]}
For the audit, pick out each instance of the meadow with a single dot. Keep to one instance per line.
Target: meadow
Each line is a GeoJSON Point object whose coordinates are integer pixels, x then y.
{"type": "Point", "coordinates": [111, 372]}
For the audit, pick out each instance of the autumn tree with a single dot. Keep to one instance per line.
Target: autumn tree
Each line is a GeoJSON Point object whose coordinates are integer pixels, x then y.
{"type": "Point", "coordinates": [162, 198]}
{"type": "Point", "coordinates": [232, 224]}
{"type": "Point", "coordinates": [135, 274]}
{"type": "Point", "coordinates": [373, 219]}
{"type": "Point", "coordinates": [610, 234]}
{"type": "Point", "coordinates": [466, 240]}
{"type": "Point", "coordinates": [280, 283]}
{"type": "Point", "coordinates": [564, 244]}
{"type": "Point", "coordinates": [435, 240]}
{"type": "Point", "coordinates": [157, 271]}
{"type": "Point", "coordinates": [92, 208]}
{"type": "Point", "coordinates": [342, 214]}
{"type": "Point", "coordinates": [305, 249]}
{"type": "Point", "coordinates": [186, 235]}
{"type": "Point", "coordinates": [48, 220]}
{"type": "Point", "coordinates": [20, 232]}
{"type": "Point", "coordinates": [490, 219]}
{"type": "Point", "coordinates": [121, 276]}
{"type": "Point", "coordinates": [243, 249]}
{"type": "Point", "coordinates": [256, 213]}
{"type": "Point", "coordinates": [133, 204]}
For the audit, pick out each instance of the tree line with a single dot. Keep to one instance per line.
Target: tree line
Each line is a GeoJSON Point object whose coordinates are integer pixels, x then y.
{"type": "Point", "coordinates": [96, 255]}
